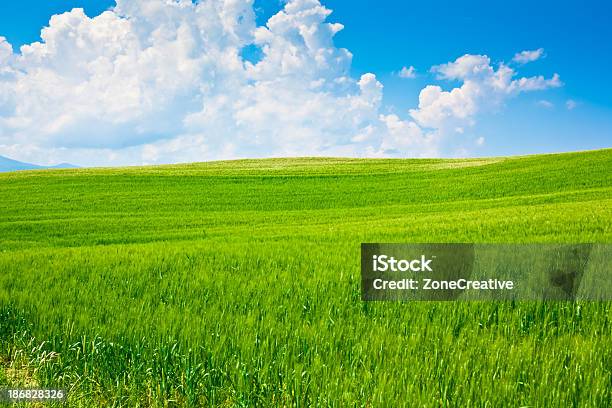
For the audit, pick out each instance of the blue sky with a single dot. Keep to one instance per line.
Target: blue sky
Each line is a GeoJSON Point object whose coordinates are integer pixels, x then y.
{"type": "Point", "coordinates": [575, 38]}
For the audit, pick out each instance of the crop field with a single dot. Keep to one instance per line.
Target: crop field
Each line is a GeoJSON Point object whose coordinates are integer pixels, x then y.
{"type": "Point", "coordinates": [238, 284]}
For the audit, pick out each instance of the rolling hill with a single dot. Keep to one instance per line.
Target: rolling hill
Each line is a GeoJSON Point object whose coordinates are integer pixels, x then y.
{"type": "Point", "coordinates": [238, 283]}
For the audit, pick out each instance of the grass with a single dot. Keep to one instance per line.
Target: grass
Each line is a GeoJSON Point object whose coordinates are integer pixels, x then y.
{"type": "Point", "coordinates": [237, 284]}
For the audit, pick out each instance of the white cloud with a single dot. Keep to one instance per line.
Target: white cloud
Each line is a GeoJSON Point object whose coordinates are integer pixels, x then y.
{"type": "Point", "coordinates": [155, 81]}
{"type": "Point", "coordinates": [537, 83]}
{"type": "Point", "coordinates": [545, 104]}
{"type": "Point", "coordinates": [524, 57]}
{"type": "Point", "coordinates": [483, 88]}
{"type": "Point", "coordinates": [409, 72]}
{"type": "Point", "coordinates": [6, 51]}
{"type": "Point", "coordinates": [465, 67]}
{"type": "Point", "coordinates": [407, 137]}
{"type": "Point", "coordinates": [571, 104]}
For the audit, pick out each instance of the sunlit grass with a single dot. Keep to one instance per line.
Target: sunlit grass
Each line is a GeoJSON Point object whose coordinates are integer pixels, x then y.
{"type": "Point", "coordinates": [237, 284]}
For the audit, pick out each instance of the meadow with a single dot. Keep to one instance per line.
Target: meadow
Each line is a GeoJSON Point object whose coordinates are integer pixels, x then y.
{"type": "Point", "coordinates": [237, 283]}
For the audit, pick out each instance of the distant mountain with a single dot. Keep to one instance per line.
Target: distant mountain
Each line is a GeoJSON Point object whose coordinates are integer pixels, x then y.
{"type": "Point", "coordinates": [62, 166]}
{"type": "Point", "coordinates": [7, 164]}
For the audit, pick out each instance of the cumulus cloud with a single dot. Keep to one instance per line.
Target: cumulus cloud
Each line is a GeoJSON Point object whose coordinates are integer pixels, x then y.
{"type": "Point", "coordinates": [571, 104]}
{"type": "Point", "coordinates": [407, 72]}
{"type": "Point", "coordinates": [484, 87]}
{"type": "Point", "coordinates": [153, 81]}
{"type": "Point", "coordinates": [524, 57]}
{"type": "Point", "coordinates": [157, 80]}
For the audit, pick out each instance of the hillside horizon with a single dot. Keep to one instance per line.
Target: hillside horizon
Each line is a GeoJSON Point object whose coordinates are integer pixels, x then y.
{"type": "Point", "coordinates": [8, 165]}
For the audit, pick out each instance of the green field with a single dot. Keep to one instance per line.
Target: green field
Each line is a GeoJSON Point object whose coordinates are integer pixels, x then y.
{"type": "Point", "coordinates": [238, 284]}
